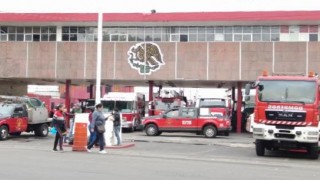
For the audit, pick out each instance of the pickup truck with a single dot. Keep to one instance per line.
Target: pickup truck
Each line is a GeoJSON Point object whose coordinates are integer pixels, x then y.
{"type": "Point", "coordinates": [23, 115]}
{"type": "Point", "coordinates": [187, 119]}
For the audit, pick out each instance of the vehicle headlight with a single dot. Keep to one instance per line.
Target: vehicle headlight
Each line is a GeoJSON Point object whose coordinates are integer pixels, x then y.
{"type": "Point", "coordinates": [258, 130]}
{"type": "Point", "coordinates": [313, 133]}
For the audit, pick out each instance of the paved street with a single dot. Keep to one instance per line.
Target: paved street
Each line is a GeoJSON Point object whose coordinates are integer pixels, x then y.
{"type": "Point", "coordinates": [170, 156]}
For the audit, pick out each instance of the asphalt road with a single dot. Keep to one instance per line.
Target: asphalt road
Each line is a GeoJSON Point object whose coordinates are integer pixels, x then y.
{"type": "Point", "coordinates": [28, 157]}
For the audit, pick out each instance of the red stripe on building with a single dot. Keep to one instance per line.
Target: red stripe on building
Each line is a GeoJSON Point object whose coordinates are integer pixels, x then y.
{"type": "Point", "coordinates": [163, 17]}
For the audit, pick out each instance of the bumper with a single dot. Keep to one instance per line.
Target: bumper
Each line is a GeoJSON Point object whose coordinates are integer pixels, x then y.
{"type": "Point", "coordinates": [127, 124]}
{"type": "Point", "coordinates": [298, 134]}
{"type": "Point", "coordinates": [223, 129]}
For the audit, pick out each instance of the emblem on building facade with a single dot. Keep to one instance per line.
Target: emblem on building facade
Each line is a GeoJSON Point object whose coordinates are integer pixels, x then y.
{"type": "Point", "coordinates": [145, 57]}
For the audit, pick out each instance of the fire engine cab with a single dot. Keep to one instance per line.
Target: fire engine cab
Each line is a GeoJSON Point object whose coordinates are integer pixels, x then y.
{"type": "Point", "coordinates": [286, 114]}
{"type": "Point", "coordinates": [130, 105]}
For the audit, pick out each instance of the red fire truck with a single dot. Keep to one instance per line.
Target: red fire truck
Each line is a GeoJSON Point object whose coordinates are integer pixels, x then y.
{"type": "Point", "coordinates": [130, 105]}
{"type": "Point", "coordinates": [286, 113]}
{"type": "Point", "coordinates": [166, 100]}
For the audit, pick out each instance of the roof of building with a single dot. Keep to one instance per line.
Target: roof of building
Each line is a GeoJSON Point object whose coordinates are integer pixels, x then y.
{"type": "Point", "coordinates": [164, 17]}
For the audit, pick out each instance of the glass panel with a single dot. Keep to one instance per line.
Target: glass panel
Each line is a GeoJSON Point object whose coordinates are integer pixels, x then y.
{"type": "Point", "coordinates": [275, 37]}
{"type": "Point", "coordinates": [266, 29]}
{"type": "Point", "coordinates": [228, 29]}
{"type": "Point", "coordinates": [4, 37]}
{"type": "Point", "coordinates": [219, 37]}
{"type": "Point", "coordinates": [256, 37]}
{"type": "Point", "coordinates": [106, 37]}
{"type": "Point", "coordinates": [122, 30]}
{"type": "Point", "coordinates": [201, 37]}
{"type": "Point", "coordinates": [20, 29]}
{"type": "Point", "coordinates": [89, 37]}
{"type": "Point", "coordinates": [89, 30]}
{"type": "Point", "coordinates": [4, 29]}
{"type": "Point", "coordinates": [19, 37]}
{"type": "Point", "coordinates": [28, 29]}
{"type": "Point", "coordinates": [132, 31]}
{"type": "Point", "coordinates": [122, 37]}
{"type": "Point", "coordinates": [157, 37]}
{"type": "Point", "coordinates": [237, 29]}
{"type": "Point", "coordinates": [44, 37]}
{"type": "Point", "coordinates": [313, 37]}
{"type": "Point", "coordinates": [36, 29]}
{"type": "Point", "coordinates": [12, 37]}
{"type": "Point", "coordinates": [28, 37]}
{"type": "Point", "coordinates": [210, 37]}
{"type": "Point", "coordinates": [256, 29]}
{"type": "Point", "coordinates": [183, 38]}
{"type": "Point", "coordinates": [247, 29]}
{"type": "Point", "coordinates": [246, 37]}
{"type": "Point", "coordinates": [265, 37]}
{"type": "Point", "coordinates": [184, 30]}
{"type": "Point", "coordinates": [195, 30]}
{"type": "Point", "coordinates": [36, 37]}
{"type": "Point", "coordinates": [52, 37]}
{"type": "Point", "coordinates": [237, 37]}
{"type": "Point", "coordinates": [294, 29]}
{"type": "Point", "coordinates": [140, 37]}
{"type": "Point", "coordinates": [148, 37]}
{"type": "Point", "coordinates": [157, 30]}
{"type": "Point", "coordinates": [81, 30]}
{"type": "Point", "coordinates": [81, 37]}
{"type": "Point", "coordinates": [132, 37]}
{"type": "Point", "coordinates": [11, 29]}
{"type": "Point", "coordinates": [201, 30]}
{"type": "Point", "coordinates": [65, 37]}
{"type": "Point", "coordinates": [165, 37]}
{"type": "Point", "coordinates": [148, 30]}
{"type": "Point", "coordinates": [44, 29]}
{"type": "Point", "coordinates": [219, 29]}
{"type": "Point", "coordinates": [275, 29]}
{"type": "Point", "coordinates": [174, 30]}
{"type": "Point", "coordinates": [175, 37]}
{"type": "Point", "coordinates": [193, 37]}
{"type": "Point", "coordinates": [228, 37]}
{"type": "Point", "coordinates": [65, 30]}
{"type": "Point", "coordinates": [52, 29]}
{"type": "Point", "coordinates": [73, 29]}
{"type": "Point", "coordinates": [114, 37]}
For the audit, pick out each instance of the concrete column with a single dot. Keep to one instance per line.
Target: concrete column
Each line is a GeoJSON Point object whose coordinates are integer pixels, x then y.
{"type": "Point", "coordinates": [67, 101]}
{"type": "Point", "coordinates": [239, 104]}
{"type": "Point", "coordinates": [151, 110]}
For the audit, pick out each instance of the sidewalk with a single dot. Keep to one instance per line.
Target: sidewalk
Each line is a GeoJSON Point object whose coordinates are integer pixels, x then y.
{"type": "Point", "coordinates": [244, 140]}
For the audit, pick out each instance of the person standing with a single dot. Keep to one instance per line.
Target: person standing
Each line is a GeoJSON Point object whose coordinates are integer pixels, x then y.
{"type": "Point", "coordinates": [98, 119]}
{"type": "Point", "coordinates": [117, 125]}
{"type": "Point", "coordinates": [92, 133]}
{"type": "Point", "coordinates": [59, 124]}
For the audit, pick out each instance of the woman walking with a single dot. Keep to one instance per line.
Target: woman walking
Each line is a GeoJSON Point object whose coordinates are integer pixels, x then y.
{"type": "Point", "coordinates": [59, 124]}
{"type": "Point", "coordinates": [97, 125]}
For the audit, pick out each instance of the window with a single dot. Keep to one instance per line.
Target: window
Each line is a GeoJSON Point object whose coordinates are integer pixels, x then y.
{"type": "Point", "coordinates": [173, 113]}
{"type": "Point", "coordinates": [188, 113]}
{"type": "Point", "coordinates": [313, 37]}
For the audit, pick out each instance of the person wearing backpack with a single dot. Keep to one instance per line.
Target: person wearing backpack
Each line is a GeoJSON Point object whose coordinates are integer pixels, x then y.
{"type": "Point", "coordinates": [117, 125]}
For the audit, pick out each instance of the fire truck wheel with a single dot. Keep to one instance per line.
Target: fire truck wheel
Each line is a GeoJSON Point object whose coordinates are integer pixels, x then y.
{"type": "Point", "coordinates": [41, 130]}
{"type": "Point", "coordinates": [260, 148]}
{"type": "Point", "coordinates": [152, 130]}
{"type": "Point", "coordinates": [313, 151]}
{"type": "Point", "coordinates": [210, 131]}
{"type": "Point", "coordinates": [4, 132]}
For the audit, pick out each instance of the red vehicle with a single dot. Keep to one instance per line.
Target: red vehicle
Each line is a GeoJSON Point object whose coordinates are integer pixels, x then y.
{"type": "Point", "coordinates": [25, 115]}
{"type": "Point", "coordinates": [130, 105]}
{"type": "Point", "coordinates": [286, 113]}
{"type": "Point", "coordinates": [187, 119]}
{"type": "Point", "coordinates": [165, 101]}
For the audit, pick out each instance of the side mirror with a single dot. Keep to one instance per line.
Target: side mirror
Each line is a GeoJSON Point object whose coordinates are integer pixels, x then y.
{"type": "Point", "coordinates": [247, 89]}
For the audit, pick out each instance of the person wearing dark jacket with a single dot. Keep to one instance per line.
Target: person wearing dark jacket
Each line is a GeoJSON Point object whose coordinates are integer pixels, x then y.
{"type": "Point", "coordinates": [98, 119]}
{"type": "Point", "coordinates": [117, 125]}
{"type": "Point", "coordinates": [59, 124]}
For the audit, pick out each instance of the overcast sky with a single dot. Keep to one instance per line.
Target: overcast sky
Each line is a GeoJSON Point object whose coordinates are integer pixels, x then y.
{"type": "Point", "coordinates": [144, 6]}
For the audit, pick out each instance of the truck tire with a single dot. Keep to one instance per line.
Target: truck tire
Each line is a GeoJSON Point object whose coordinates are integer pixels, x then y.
{"type": "Point", "coordinates": [313, 151]}
{"type": "Point", "coordinates": [210, 131]}
{"type": "Point", "coordinates": [260, 148]}
{"type": "Point", "coordinates": [152, 130]}
{"type": "Point", "coordinates": [4, 133]}
{"type": "Point", "coordinates": [41, 130]}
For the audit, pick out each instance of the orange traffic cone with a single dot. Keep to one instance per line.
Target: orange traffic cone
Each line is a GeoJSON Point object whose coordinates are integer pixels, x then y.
{"type": "Point", "coordinates": [80, 137]}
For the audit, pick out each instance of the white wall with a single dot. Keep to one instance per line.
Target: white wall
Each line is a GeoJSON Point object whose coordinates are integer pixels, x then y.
{"type": "Point", "coordinates": [144, 6]}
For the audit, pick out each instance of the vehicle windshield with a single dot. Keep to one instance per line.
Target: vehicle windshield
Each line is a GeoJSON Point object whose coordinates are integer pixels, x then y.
{"type": "Point", "coordinates": [165, 105]}
{"type": "Point", "coordinates": [287, 91]}
{"type": "Point", "coordinates": [212, 103]}
{"type": "Point", "coordinates": [123, 106]}
{"type": "Point", "coordinates": [6, 110]}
